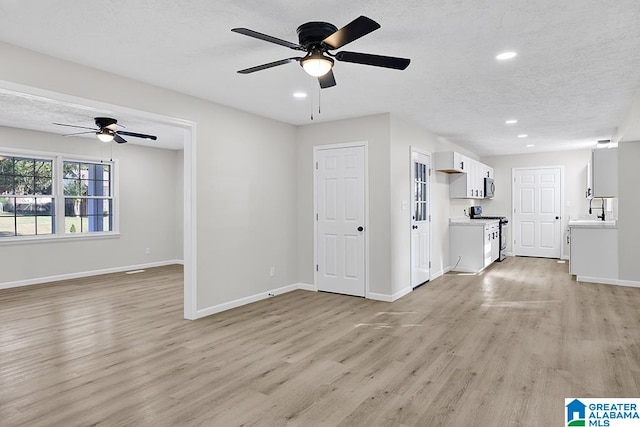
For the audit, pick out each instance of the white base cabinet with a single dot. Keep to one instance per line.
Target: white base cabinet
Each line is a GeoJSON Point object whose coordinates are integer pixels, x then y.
{"type": "Point", "coordinates": [594, 254]}
{"type": "Point", "coordinates": [473, 245]}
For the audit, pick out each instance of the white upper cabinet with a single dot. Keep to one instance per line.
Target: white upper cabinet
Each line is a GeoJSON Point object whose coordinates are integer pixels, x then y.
{"type": "Point", "coordinates": [466, 179]}
{"type": "Point", "coordinates": [604, 163]}
{"type": "Point", "coordinates": [451, 162]}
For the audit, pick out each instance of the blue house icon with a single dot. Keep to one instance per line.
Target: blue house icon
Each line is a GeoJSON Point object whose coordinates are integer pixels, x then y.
{"type": "Point", "coordinates": [573, 407]}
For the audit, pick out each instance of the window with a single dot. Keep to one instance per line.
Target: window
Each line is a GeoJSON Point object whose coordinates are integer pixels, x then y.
{"type": "Point", "coordinates": [87, 197]}
{"type": "Point", "coordinates": [26, 202]}
{"type": "Point", "coordinates": [55, 196]}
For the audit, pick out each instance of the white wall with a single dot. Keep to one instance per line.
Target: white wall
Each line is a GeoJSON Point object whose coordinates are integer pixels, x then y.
{"type": "Point", "coordinates": [389, 139]}
{"type": "Point", "coordinates": [404, 136]}
{"type": "Point", "coordinates": [629, 207]}
{"type": "Point", "coordinates": [246, 174]}
{"type": "Point", "coordinates": [147, 198]}
{"type": "Point", "coordinates": [575, 202]}
{"type": "Point", "coordinates": [374, 130]}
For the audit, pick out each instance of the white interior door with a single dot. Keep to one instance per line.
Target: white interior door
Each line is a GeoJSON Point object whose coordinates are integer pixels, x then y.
{"type": "Point", "coordinates": [340, 233]}
{"type": "Point", "coordinates": [537, 203]}
{"type": "Point", "coordinates": [420, 218]}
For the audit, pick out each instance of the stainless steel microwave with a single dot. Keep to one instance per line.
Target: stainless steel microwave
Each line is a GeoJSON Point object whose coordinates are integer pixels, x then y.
{"type": "Point", "coordinates": [489, 188]}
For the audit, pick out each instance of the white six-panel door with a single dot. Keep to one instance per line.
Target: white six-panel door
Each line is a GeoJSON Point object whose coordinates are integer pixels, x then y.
{"type": "Point", "coordinates": [340, 231]}
{"type": "Point", "coordinates": [537, 202]}
{"type": "Point", "coordinates": [420, 218]}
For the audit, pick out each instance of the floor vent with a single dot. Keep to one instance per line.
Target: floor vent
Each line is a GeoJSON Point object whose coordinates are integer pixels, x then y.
{"type": "Point", "coordinates": [134, 272]}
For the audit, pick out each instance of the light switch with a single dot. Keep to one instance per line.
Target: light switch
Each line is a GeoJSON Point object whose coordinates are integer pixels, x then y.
{"type": "Point", "coordinates": [405, 205]}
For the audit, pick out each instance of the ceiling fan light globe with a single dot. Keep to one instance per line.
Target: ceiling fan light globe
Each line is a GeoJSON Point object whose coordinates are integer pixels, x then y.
{"type": "Point", "coordinates": [105, 136]}
{"type": "Point", "coordinates": [317, 66]}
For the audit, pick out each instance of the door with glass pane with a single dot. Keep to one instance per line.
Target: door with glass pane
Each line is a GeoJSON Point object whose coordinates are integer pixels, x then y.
{"type": "Point", "coordinates": [420, 217]}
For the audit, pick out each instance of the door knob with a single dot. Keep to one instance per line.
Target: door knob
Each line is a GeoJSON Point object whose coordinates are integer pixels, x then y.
{"type": "Point", "coordinates": [361, 228]}
{"type": "Point", "coordinates": [415, 227]}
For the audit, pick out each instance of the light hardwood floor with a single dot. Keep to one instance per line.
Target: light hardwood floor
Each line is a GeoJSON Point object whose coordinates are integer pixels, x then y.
{"type": "Point", "coordinates": [503, 348]}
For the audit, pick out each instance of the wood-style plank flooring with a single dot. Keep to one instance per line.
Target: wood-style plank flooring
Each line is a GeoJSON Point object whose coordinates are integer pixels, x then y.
{"type": "Point", "coordinates": [503, 348]}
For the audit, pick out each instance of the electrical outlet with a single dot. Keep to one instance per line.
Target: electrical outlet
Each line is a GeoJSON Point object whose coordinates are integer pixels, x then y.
{"type": "Point", "coordinates": [272, 272]}
{"type": "Point", "coordinates": [148, 251]}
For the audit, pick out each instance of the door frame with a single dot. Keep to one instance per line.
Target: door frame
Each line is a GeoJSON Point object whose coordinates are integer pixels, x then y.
{"type": "Point", "coordinates": [513, 203]}
{"type": "Point", "coordinates": [413, 149]}
{"type": "Point", "coordinates": [316, 149]}
{"type": "Point", "coordinates": [189, 226]}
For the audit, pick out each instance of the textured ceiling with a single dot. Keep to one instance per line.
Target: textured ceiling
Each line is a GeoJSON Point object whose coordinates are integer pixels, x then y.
{"type": "Point", "coordinates": [571, 84]}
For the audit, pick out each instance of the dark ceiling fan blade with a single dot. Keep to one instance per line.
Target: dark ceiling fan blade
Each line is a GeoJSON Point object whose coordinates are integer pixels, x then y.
{"type": "Point", "coordinates": [74, 126]}
{"type": "Point", "coordinates": [267, 38]}
{"type": "Point", "coordinates": [375, 60]}
{"type": "Point", "coordinates": [328, 80]}
{"type": "Point", "coordinates": [136, 135]}
{"type": "Point", "coordinates": [355, 29]}
{"type": "Point", "coordinates": [120, 140]}
{"type": "Point", "coordinates": [79, 133]}
{"type": "Point", "coordinates": [269, 65]}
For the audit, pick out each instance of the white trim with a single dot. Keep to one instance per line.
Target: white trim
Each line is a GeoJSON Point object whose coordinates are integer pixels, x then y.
{"type": "Point", "coordinates": [390, 298]}
{"type": "Point", "coordinates": [630, 283]}
{"type": "Point", "coordinates": [307, 287]}
{"type": "Point", "coordinates": [190, 161]}
{"type": "Point", "coordinates": [203, 312]}
{"type": "Point", "coordinates": [317, 148]}
{"type": "Point", "coordinates": [608, 281]}
{"type": "Point", "coordinates": [439, 273]}
{"type": "Point", "coordinates": [190, 225]}
{"type": "Point", "coordinates": [82, 274]}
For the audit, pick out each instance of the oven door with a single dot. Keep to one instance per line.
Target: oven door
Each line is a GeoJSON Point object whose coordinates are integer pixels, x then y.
{"type": "Point", "coordinates": [504, 235]}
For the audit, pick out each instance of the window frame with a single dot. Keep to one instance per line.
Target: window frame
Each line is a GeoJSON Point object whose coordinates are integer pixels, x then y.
{"type": "Point", "coordinates": [59, 197]}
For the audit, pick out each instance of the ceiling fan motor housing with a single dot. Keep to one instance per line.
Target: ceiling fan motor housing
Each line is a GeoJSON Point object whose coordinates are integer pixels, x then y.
{"type": "Point", "coordinates": [312, 33]}
{"type": "Point", "coordinates": [103, 122]}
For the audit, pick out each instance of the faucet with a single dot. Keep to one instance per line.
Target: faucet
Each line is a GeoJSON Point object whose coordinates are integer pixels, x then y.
{"type": "Point", "coordinates": [602, 216]}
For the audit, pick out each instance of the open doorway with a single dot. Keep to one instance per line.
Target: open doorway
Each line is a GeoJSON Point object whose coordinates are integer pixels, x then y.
{"type": "Point", "coordinates": [43, 105]}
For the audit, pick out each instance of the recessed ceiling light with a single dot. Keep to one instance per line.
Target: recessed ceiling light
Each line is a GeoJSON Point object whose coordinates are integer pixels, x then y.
{"type": "Point", "coordinates": [523, 135]}
{"type": "Point", "coordinates": [506, 55]}
{"type": "Point", "coordinates": [511, 122]}
{"type": "Point", "coordinates": [299, 95]}
{"type": "Point", "coordinates": [529, 145]}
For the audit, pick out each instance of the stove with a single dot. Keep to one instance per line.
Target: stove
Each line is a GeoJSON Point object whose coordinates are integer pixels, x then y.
{"type": "Point", "coordinates": [475, 212]}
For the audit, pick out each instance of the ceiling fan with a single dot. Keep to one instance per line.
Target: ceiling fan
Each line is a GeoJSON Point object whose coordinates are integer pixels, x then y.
{"type": "Point", "coordinates": [317, 39]}
{"type": "Point", "coordinates": [106, 131]}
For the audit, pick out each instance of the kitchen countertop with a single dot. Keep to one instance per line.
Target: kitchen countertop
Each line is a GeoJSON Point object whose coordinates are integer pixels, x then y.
{"type": "Point", "coordinates": [593, 223]}
{"type": "Point", "coordinates": [463, 220]}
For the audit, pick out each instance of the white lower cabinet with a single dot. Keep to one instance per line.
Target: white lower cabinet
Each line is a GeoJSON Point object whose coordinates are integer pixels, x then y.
{"type": "Point", "coordinates": [473, 245]}
{"type": "Point", "coordinates": [594, 254]}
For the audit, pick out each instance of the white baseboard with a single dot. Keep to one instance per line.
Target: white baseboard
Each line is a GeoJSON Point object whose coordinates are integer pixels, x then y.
{"type": "Point", "coordinates": [607, 281]}
{"type": "Point", "coordinates": [442, 272]}
{"type": "Point", "coordinates": [81, 274]}
{"type": "Point", "coordinates": [630, 283]}
{"type": "Point", "coordinates": [307, 287]}
{"type": "Point", "coordinates": [252, 298]}
{"type": "Point", "coordinates": [387, 297]}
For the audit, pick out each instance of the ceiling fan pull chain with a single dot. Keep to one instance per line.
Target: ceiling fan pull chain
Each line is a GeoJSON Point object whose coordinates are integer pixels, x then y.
{"type": "Point", "coordinates": [319, 92]}
{"type": "Point", "coordinates": [311, 102]}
